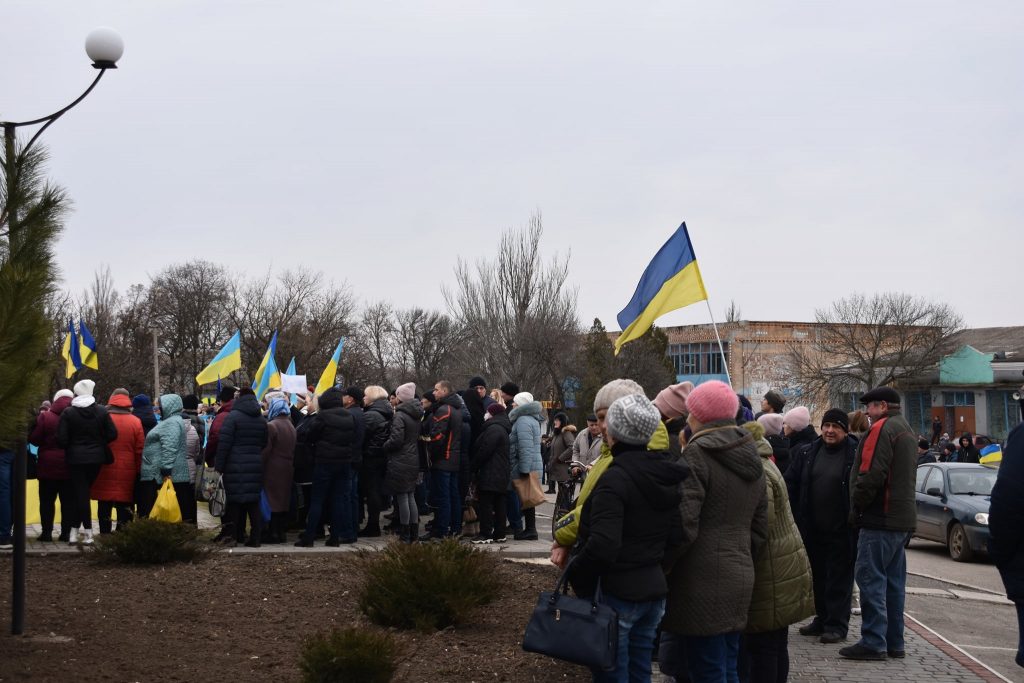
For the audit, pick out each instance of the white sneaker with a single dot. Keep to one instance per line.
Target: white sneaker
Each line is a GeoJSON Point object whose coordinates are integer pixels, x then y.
{"type": "Point", "coordinates": [855, 610]}
{"type": "Point", "coordinates": [73, 536]}
{"type": "Point", "coordinates": [87, 537]}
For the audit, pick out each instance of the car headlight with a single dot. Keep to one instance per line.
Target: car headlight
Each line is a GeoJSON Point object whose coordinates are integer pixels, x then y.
{"type": "Point", "coordinates": [981, 518]}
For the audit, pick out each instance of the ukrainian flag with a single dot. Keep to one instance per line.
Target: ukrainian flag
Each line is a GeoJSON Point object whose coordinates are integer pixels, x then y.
{"type": "Point", "coordinates": [991, 455]}
{"type": "Point", "coordinates": [267, 374]}
{"type": "Point", "coordinates": [87, 347]}
{"type": "Point", "coordinates": [71, 352]}
{"type": "Point", "coordinates": [291, 371]}
{"type": "Point", "coordinates": [224, 363]}
{"type": "Point", "coordinates": [671, 281]}
{"type": "Point", "coordinates": [330, 373]}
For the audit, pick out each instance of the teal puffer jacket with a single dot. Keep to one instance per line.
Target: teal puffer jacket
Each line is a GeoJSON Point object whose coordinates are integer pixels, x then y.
{"type": "Point", "coordinates": [164, 451]}
{"type": "Point", "coordinates": [524, 441]}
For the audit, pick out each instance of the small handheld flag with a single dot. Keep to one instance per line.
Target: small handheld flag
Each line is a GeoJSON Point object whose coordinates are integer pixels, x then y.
{"type": "Point", "coordinates": [671, 281]}
{"type": "Point", "coordinates": [224, 363]}
{"type": "Point", "coordinates": [291, 371]}
{"type": "Point", "coordinates": [265, 375]}
{"type": "Point", "coordinates": [331, 371]}
{"type": "Point", "coordinates": [991, 455]}
{"type": "Point", "coordinates": [87, 347]}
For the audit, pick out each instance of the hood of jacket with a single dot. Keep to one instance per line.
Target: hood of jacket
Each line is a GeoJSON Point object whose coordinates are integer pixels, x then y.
{"type": "Point", "coordinates": [170, 406]}
{"type": "Point", "coordinates": [499, 421]}
{"type": "Point", "coordinates": [531, 409]}
{"type": "Point", "coordinates": [382, 406]}
{"type": "Point", "coordinates": [968, 437]}
{"type": "Point", "coordinates": [656, 476]}
{"type": "Point", "coordinates": [764, 449]}
{"type": "Point", "coordinates": [331, 399]}
{"type": "Point", "coordinates": [58, 406]}
{"type": "Point", "coordinates": [453, 400]}
{"type": "Point", "coordinates": [411, 407]}
{"type": "Point", "coordinates": [732, 446]}
{"type": "Point", "coordinates": [246, 405]}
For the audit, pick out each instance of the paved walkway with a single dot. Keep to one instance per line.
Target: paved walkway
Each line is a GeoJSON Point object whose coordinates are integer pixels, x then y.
{"type": "Point", "coordinates": [929, 656]}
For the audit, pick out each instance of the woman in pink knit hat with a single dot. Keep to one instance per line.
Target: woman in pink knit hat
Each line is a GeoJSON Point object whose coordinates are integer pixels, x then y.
{"type": "Point", "coordinates": [671, 403]}
{"type": "Point", "coordinates": [724, 512]}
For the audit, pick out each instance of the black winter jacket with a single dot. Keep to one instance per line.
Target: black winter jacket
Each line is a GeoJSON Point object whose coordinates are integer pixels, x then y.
{"type": "Point", "coordinates": [302, 460]}
{"type": "Point", "coordinates": [446, 435]}
{"type": "Point", "coordinates": [360, 430]}
{"type": "Point", "coordinates": [377, 419]}
{"type": "Point", "coordinates": [84, 433]}
{"type": "Point", "coordinates": [630, 522]}
{"type": "Point", "coordinates": [240, 450]}
{"type": "Point", "coordinates": [780, 451]}
{"type": "Point", "coordinates": [402, 448]}
{"type": "Point", "coordinates": [490, 455]}
{"type": "Point", "coordinates": [1006, 517]}
{"type": "Point", "coordinates": [799, 440]}
{"type": "Point", "coordinates": [798, 484]}
{"type": "Point", "coordinates": [332, 432]}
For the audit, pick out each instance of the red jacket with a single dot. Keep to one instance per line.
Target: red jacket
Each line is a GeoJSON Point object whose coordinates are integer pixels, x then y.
{"type": "Point", "coordinates": [51, 456]}
{"type": "Point", "coordinates": [116, 482]}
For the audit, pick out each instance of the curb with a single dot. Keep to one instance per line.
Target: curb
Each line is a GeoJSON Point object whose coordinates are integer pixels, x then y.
{"type": "Point", "coordinates": [964, 659]}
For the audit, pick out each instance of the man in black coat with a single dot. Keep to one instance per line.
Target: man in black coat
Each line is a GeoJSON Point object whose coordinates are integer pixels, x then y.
{"type": "Point", "coordinates": [818, 481]}
{"type": "Point", "coordinates": [444, 448]}
{"type": "Point", "coordinates": [1006, 524]}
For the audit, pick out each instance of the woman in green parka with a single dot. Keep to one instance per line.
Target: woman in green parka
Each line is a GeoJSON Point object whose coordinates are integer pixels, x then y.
{"type": "Point", "coordinates": [783, 590]}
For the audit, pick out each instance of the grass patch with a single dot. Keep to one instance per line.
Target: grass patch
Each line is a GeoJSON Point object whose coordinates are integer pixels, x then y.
{"type": "Point", "coordinates": [348, 656]}
{"type": "Point", "coordinates": [148, 541]}
{"type": "Point", "coordinates": [427, 586]}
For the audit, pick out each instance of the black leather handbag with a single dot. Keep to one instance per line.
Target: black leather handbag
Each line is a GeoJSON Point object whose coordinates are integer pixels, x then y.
{"type": "Point", "coordinates": [572, 629]}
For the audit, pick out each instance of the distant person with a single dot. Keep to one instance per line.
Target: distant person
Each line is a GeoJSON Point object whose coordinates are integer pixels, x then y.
{"type": "Point", "coordinates": [403, 460]}
{"type": "Point", "coordinates": [772, 402]}
{"type": "Point", "coordinates": [967, 452]}
{"type": "Point", "coordinates": [239, 458]}
{"type": "Point", "coordinates": [52, 470]}
{"type": "Point", "coordinates": [524, 452]}
{"type": "Point", "coordinates": [924, 455]}
{"type": "Point", "coordinates": [1006, 523]}
{"type": "Point", "coordinates": [936, 430]}
{"type": "Point", "coordinates": [278, 458]}
{"type": "Point", "coordinates": [772, 423]}
{"type": "Point", "coordinates": [796, 425]}
{"type": "Point", "coordinates": [114, 488]}
{"type": "Point", "coordinates": [671, 403]}
{"type": "Point", "coordinates": [142, 408]}
{"type": "Point", "coordinates": [858, 424]}
{"type": "Point", "coordinates": [562, 439]}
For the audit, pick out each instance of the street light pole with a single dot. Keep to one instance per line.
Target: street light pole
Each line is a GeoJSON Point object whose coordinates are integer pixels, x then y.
{"type": "Point", "coordinates": [104, 47]}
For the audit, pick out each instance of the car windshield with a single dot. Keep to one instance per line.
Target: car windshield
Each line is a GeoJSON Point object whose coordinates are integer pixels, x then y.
{"type": "Point", "coordinates": [972, 482]}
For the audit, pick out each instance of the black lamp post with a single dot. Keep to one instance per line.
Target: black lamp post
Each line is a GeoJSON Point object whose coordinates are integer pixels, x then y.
{"type": "Point", "coordinates": [104, 47]}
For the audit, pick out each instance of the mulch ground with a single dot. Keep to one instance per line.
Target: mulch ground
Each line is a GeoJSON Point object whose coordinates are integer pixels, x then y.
{"type": "Point", "coordinates": [243, 618]}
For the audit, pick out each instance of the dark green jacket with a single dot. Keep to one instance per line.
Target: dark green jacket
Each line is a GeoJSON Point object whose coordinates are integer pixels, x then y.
{"type": "Point", "coordinates": [882, 497]}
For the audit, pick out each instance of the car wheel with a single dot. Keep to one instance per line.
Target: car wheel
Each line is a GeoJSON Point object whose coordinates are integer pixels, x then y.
{"type": "Point", "coordinates": [959, 547]}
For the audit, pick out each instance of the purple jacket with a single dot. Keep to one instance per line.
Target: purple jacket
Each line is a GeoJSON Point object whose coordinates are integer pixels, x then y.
{"type": "Point", "coordinates": [51, 456]}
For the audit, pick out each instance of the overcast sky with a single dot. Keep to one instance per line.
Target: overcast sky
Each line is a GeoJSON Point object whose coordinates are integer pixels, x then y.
{"type": "Point", "coordinates": [813, 148]}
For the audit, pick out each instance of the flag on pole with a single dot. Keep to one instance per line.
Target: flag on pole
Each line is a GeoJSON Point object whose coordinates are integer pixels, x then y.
{"type": "Point", "coordinates": [224, 363]}
{"type": "Point", "coordinates": [291, 371]}
{"type": "Point", "coordinates": [671, 281]}
{"type": "Point", "coordinates": [71, 352]}
{"type": "Point", "coordinates": [87, 347]}
{"type": "Point", "coordinates": [262, 370]}
{"type": "Point", "coordinates": [271, 378]}
{"type": "Point", "coordinates": [331, 371]}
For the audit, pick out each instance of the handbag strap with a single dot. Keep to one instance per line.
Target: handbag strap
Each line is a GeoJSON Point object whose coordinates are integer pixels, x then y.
{"type": "Point", "coordinates": [562, 587]}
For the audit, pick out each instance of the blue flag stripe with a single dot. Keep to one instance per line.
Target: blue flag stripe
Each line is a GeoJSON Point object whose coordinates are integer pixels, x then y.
{"type": "Point", "coordinates": [674, 255]}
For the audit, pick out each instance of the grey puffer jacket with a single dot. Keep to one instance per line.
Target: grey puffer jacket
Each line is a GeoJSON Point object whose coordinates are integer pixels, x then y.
{"type": "Point", "coordinates": [725, 522]}
{"type": "Point", "coordinates": [524, 441]}
{"type": "Point", "coordinates": [402, 448]}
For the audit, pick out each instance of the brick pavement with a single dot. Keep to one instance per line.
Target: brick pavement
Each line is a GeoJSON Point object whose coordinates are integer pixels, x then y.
{"type": "Point", "coordinates": [928, 658]}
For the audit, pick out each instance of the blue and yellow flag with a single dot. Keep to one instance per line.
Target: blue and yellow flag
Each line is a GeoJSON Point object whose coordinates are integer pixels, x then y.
{"type": "Point", "coordinates": [267, 374]}
{"type": "Point", "coordinates": [224, 363]}
{"type": "Point", "coordinates": [71, 352]}
{"type": "Point", "coordinates": [991, 455]}
{"type": "Point", "coordinates": [87, 347]}
{"type": "Point", "coordinates": [291, 371]}
{"type": "Point", "coordinates": [330, 373]}
{"type": "Point", "coordinates": [671, 281]}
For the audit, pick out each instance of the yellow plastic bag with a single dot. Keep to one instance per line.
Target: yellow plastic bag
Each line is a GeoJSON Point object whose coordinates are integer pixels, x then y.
{"type": "Point", "coordinates": [166, 507]}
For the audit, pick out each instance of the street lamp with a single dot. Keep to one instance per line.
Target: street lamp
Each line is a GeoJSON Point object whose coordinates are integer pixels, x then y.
{"type": "Point", "coordinates": [104, 47]}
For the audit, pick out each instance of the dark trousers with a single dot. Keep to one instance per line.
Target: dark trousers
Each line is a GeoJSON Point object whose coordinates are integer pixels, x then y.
{"type": "Point", "coordinates": [186, 494]}
{"type": "Point", "coordinates": [238, 512]}
{"type": "Point", "coordinates": [1020, 633]}
{"type": "Point", "coordinates": [764, 657]}
{"type": "Point", "coordinates": [333, 482]}
{"type": "Point", "coordinates": [105, 507]}
{"type": "Point", "coordinates": [832, 557]}
{"type": "Point", "coordinates": [490, 507]}
{"type": "Point", "coordinates": [371, 482]}
{"type": "Point", "coordinates": [49, 491]}
{"type": "Point", "coordinates": [82, 477]}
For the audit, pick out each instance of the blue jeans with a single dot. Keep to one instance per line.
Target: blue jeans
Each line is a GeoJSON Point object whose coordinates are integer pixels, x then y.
{"type": "Point", "coordinates": [448, 519]}
{"type": "Point", "coordinates": [881, 572]}
{"type": "Point", "coordinates": [332, 484]}
{"type": "Point", "coordinates": [352, 530]}
{"type": "Point", "coordinates": [513, 510]}
{"type": "Point", "coordinates": [712, 659]}
{"type": "Point", "coordinates": [638, 624]}
{"type": "Point", "coordinates": [6, 493]}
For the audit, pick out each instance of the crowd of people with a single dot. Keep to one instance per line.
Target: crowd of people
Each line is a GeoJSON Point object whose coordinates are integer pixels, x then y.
{"type": "Point", "coordinates": [710, 529]}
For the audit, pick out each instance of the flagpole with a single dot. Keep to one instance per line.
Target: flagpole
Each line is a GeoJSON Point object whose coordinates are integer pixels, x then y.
{"type": "Point", "coordinates": [721, 349]}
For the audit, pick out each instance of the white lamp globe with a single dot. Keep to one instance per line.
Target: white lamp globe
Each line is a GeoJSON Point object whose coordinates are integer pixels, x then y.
{"type": "Point", "coordinates": [104, 46]}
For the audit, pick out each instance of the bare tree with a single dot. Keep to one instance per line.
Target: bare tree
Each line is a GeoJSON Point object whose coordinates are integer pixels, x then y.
{"type": "Point", "coordinates": [425, 342]}
{"type": "Point", "coordinates": [517, 313]}
{"type": "Point", "coordinates": [864, 342]}
{"type": "Point", "coordinates": [733, 314]}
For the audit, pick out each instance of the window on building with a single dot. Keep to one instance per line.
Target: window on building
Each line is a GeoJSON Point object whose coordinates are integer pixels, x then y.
{"type": "Point", "coordinates": [919, 410]}
{"type": "Point", "coordinates": [703, 358]}
{"type": "Point", "coordinates": [1003, 413]}
{"type": "Point", "coordinates": [957, 398]}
